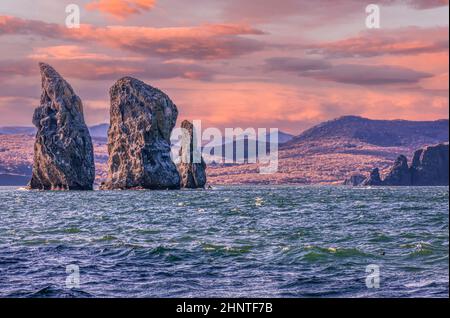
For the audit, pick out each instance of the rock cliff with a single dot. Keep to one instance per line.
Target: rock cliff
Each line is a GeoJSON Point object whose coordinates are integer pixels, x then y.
{"type": "Point", "coordinates": [399, 174]}
{"type": "Point", "coordinates": [429, 167]}
{"type": "Point", "coordinates": [141, 121]}
{"type": "Point", "coordinates": [63, 151]}
{"type": "Point", "coordinates": [192, 173]}
{"type": "Point", "coordinates": [374, 178]}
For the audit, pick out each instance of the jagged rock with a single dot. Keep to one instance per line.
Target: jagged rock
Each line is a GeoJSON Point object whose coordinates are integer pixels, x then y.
{"type": "Point", "coordinates": [63, 151]}
{"type": "Point", "coordinates": [400, 174]}
{"type": "Point", "coordinates": [192, 166]}
{"type": "Point", "coordinates": [142, 119]}
{"type": "Point", "coordinates": [430, 166]}
{"type": "Point", "coordinates": [355, 180]}
{"type": "Point", "coordinates": [374, 179]}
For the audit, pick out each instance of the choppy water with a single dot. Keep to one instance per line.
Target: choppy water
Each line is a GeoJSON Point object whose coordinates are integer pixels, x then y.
{"type": "Point", "coordinates": [230, 241]}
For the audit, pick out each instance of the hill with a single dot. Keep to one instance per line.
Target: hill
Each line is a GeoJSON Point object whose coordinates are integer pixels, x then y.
{"type": "Point", "coordinates": [330, 152]}
{"type": "Point", "coordinates": [384, 133]}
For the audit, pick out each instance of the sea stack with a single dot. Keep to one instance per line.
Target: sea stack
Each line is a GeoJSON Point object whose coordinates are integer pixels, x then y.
{"type": "Point", "coordinates": [429, 167]}
{"type": "Point", "coordinates": [142, 118]}
{"type": "Point", "coordinates": [399, 174]}
{"type": "Point", "coordinates": [374, 178]}
{"type": "Point", "coordinates": [192, 167]}
{"type": "Point", "coordinates": [63, 151]}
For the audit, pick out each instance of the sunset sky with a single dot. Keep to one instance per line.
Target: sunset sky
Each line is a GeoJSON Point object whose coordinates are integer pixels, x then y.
{"type": "Point", "coordinates": [287, 64]}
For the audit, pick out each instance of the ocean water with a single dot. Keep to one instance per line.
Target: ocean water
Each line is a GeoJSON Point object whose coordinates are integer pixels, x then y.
{"type": "Point", "coordinates": [240, 241]}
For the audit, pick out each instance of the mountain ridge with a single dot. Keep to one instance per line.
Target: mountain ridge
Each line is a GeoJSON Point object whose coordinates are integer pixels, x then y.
{"type": "Point", "coordinates": [385, 133]}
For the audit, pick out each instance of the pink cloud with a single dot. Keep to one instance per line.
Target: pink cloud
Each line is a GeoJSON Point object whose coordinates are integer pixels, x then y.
{"type": "Point", "coordinates": [78, 63]}
{"type": "Point", "coordinates": [264, 10]}
{"type": "Point", "coordinates": [368, 74]}
{"type": "Point", "coordinates": [107, 69]}
{"type": "Point", "coordinates": [208, 41]}
{"type": "Point", "coordinates": [358, 74]}
{"type": "Point", "coordinates": [121, 9]}
{"type": "Point", "coordinates": [427, 4]}
{"type": "Point", "coordinates": [74, 52]}
{"type": "Point", "coordinates": [412, 40]}
{"type": "Point", "coordinates": [293, 107]}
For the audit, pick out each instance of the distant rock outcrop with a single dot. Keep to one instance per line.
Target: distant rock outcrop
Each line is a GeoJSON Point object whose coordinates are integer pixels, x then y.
{"type": "Point", "coordinates": [374, 178]}
{"type": "Point", "coordinates": [142, 119]}
{"type": "Point", "coordinates": [399, 174]}
{"type": "Point", "coordinates": [63, 151]}
{"type": "Point", "coordinates": [429, 167]}
{"type": "Point", "coordinates": [192, 173]}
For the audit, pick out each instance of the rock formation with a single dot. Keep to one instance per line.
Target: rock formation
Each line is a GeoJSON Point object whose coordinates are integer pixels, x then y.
{"type": "Point", "coordinates": [142, 119]}
{"type": "Point", "coordinates": [399, 174]}
{"type": "Point", "coordinates": [374, 178]}
{"type": "Point", "coordinates": [63, 151]}
{"type": "Point", "coordinates": [429, 167]}
{"type": "Point", "coordinates": [192, 173]}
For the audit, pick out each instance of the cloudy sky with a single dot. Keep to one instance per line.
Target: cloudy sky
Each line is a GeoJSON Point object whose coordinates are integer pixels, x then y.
{"type": "Point", "coordinates": [287, 64]}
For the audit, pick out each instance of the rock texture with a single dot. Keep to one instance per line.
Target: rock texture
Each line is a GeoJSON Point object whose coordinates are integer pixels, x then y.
{"type": "Point", "coordinates": [374, 178]}
{"type": "Point", "coordinates": [429, 167]}
{"type": "Point", "coordinates": [399, 174]}
{"type": "Point", "coordinates": [63, 151]}
{"type": "Point", "coordinates": [142, 119]}
{"type": "Point", "coordinates": [192, 174]}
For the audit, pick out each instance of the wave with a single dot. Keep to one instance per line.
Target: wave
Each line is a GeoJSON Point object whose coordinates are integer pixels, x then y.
{"type": "Point", "coordinates": [51, 291]}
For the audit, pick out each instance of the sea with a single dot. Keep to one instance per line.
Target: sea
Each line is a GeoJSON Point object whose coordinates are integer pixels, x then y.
{"type": "Point", "coordinates": [229, 241]}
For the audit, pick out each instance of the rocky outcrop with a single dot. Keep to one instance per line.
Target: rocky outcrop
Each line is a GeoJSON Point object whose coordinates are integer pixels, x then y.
{"type": "Point", "coordinates": [142, 119]}
{"type": "Point", "coordinates": [399, 174]}
{"type": "Point", "coordinates": [63, 151]}
{"type": "Point", "coordinates": [429, 167]}
{"type": "Point", "coordinates": [374, 178]}
{"type": "Point", "coordinates": [355, 180]}
{"type": "Point", "coordinates": [192, 167]}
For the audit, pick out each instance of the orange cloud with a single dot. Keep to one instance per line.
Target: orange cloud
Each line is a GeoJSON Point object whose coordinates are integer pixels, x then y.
{"type": "Point", "coordinates": [207, 41]}
{"type": "Point", "coordinates": [427, 62]}
{"type": "Point", "coordinates": [74, 52]}
{"type": "Point", "coordinates": [294, 108]}
{"type": "Point", "coordinates": [107, 69]}
{"type": "Point", "coordinates": [121, 9]}
{"type": "Point", "coordinates": [411, 40]}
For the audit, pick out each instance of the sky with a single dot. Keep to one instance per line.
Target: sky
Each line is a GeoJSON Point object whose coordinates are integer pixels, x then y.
{"type": "Point", "coordinates": [286, 64]}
